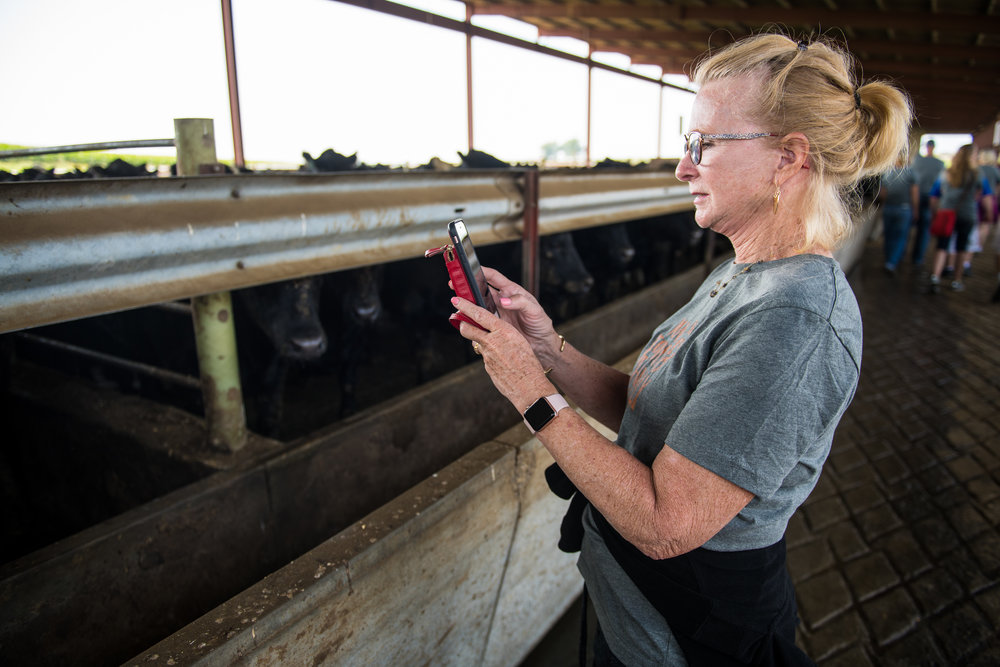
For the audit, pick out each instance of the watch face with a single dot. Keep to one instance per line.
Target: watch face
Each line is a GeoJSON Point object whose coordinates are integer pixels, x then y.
{"type": "Point", "coordinates": [539, 414]}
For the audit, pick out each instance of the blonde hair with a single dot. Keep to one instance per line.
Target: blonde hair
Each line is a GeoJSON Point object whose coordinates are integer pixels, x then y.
{"type": "Point", "coordinates": [853, 131]}
{"type": "Point", "coordinates": [961, 171]}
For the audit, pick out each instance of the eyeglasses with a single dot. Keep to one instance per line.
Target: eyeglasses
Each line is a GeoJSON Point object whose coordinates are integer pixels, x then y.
{"type": "Point", "coordinates": [693, 141]}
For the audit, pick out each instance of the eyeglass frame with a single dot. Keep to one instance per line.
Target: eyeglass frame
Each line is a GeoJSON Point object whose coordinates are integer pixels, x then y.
{"type": "Point", "coordinates": [696, 155]}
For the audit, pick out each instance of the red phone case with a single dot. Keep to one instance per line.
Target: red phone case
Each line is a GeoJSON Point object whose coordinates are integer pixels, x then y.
{"type": "Point", "coordinates": [459, 281]}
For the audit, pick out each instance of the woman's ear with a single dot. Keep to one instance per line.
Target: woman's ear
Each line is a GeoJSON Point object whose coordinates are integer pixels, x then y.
{"type": "Point", "coordinates": [794, 154]}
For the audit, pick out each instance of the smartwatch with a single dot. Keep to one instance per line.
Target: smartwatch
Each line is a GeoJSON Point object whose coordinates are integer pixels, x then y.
{"type": "Point", "coordinates": [544, 410]}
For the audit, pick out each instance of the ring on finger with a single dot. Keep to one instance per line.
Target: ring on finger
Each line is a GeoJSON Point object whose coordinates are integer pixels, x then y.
{"type": "Point", "coordinates": [475, 347]}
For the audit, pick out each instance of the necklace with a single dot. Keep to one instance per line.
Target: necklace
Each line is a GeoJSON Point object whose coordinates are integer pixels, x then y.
{"type": "Point", "coordinates": [719, 285]}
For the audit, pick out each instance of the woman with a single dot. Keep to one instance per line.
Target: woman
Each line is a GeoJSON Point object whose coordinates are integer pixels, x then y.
{"type": "Point", "coordinates": [959, 190]}
{"type": "Point", "coordinates": [899, 196]}
{"type": "Point", "coordinates": [728, 415]}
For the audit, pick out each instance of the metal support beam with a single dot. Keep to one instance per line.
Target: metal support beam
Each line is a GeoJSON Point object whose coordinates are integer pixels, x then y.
{"type": "Point", "coordinates": [220, 374]}
{"type": "Point", "coordinates": [529, 241]}
{"type": "Point", "coordinates": [215, 335]}
{"type": "Point", "coordinates": [590, 100]}
{"type": "Point", "coordinates": [470, 117]}
{"type": "Point", "coordinates": [234, 89]}
{"type": "Point", "coordinates": [82, 148]}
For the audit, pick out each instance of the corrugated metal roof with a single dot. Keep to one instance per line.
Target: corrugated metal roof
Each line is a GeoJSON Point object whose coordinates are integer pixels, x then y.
{"type": "Point", "coordinates": [945, 54]}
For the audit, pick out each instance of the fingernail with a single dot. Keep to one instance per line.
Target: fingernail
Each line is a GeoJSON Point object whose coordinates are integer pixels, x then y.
{"type": "Point", "coordinates": [454, 300]}
{"type": "Point", "coordinates": [504, 301]}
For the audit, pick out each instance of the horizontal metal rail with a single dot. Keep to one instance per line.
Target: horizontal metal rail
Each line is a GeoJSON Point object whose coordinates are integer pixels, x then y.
{"type": "Point", "coordinates": [570, 201]}
{"type": "Point", "coordinates": [82, 148]}
{"type": "Point", "coordinates": [71, 249]}
{"type": "Point", "coordinates": [116, 361]}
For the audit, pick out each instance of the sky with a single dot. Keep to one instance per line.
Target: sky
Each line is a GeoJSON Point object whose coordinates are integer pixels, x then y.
{"type": "Point", "coordinates": [315, 74]}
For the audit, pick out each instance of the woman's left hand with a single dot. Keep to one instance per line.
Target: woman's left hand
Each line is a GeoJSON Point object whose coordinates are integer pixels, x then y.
{"type": "Point", "coordinates": [507, 356]}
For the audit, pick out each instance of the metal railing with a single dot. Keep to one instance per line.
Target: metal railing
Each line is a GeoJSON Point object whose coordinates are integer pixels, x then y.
{"type": "Point", "coordinates": [71, 249]}
{"type": "Point", "coordinates": [83, 148]}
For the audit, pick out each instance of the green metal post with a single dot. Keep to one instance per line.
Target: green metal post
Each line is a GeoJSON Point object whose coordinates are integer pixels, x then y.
{"type": "Point", "coordinates": [220, 372]}
{"type": "Point", "coordinates": [215, 335]}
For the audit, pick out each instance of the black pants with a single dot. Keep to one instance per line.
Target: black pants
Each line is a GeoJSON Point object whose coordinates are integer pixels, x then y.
{"type": "Point", "coordinates": [963, 227]}
{"type": "Point", "coordinates": [603, 657]}
{"type": "Point", "coordinates": [732, 609]}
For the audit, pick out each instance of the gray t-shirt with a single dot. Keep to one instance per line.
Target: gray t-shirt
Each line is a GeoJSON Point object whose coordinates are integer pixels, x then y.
{"type": "Point", "coordinates": [897, 184]}
{"type": "Point", "coordinates": [927, 169]}
{"type": "Point", "coordinates": [963, 199]}
{"type": "Point", "coordinates": [749, 384]}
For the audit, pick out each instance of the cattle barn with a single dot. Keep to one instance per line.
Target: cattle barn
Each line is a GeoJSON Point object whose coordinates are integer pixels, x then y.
{"type": "Point", "coordinates": [239, 427]}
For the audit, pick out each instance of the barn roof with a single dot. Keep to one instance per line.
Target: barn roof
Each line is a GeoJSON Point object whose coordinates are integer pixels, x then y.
{"type": "Point", "coordinates": [946, 54]}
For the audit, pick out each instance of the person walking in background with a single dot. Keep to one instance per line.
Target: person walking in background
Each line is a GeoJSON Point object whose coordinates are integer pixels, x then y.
{"type": "Point", "coordinates": [991, 174]}
{"type": "Point", "coordinates": [926, 168]}
{"type": "Point", "coordinates": [996, 259]}
{"type": "Point", "coordinates": [900, 199]}
{"type": "Point", "coordinates": [988, 215]}
{"type": "Point", "coordinates": [959, 190]}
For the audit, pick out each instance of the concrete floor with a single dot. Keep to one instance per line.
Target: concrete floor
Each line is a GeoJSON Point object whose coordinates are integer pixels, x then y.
{"type": "Point", "coordinates": [896, 554]}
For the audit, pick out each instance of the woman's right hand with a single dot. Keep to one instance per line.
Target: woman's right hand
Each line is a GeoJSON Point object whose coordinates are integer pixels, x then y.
{"type": "Point", "coordinates": [518, 307]}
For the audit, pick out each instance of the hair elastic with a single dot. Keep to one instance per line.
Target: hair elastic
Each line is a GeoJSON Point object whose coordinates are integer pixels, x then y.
{"type": "Point", "coordinates": [857, 99]}
{"type": "Point", "coordinates": [803, 45]}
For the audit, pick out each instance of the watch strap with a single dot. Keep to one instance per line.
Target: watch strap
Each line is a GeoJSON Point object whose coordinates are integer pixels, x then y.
{"type": "Point", "coordinates": [554, 403]}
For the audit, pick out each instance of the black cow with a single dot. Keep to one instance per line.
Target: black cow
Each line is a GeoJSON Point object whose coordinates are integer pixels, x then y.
{"type": "Point", "coordinates": [286, 331]}
{"type": "Point", "coordinates": [608, 163]}
{"type": "Point", "coordinates": [119, 168]}
{"type": "Point", "coordinates": [418, 300]}
{"type": "Point", "coordinates": [608, 254]}
{"type": "Point", "coordinates": [352, 307]}
{"type": "Point", "coordinates": [418, 304]}
{"type": "Point", "coordinates": [563, 278]}
{"type": "Point", "coordinates": [666, 244]}
{"type": "Point", "coordinates": [476, 159]}
{"type": "Point", "coordinates": [329, 161]}
{"type": "Point", "coordinates": [295, 324]}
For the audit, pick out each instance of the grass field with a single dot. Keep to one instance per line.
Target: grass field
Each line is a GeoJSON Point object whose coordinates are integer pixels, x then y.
{"type": "Point", "coordinates": [67, 162]}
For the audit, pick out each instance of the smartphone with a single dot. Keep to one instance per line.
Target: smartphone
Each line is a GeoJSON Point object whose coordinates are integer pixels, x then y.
{"type": "Point", "coordinates": [469, 262]}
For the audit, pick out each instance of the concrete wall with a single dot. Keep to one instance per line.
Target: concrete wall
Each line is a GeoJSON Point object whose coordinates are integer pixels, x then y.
{"type": "Point", "coordinates": [462, 569]}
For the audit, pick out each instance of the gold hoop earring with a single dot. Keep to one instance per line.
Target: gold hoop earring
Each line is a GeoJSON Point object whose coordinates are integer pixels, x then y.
{"type": "Point", "coordinates": [777, 197]}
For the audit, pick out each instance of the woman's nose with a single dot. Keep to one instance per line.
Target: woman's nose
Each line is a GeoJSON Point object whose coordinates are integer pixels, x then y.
{"type": "Point", "coordinates": [685, 170]}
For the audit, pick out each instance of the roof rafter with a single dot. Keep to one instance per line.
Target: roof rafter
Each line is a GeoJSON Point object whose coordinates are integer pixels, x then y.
{"type": "Point", "coordinates": [941, 21]}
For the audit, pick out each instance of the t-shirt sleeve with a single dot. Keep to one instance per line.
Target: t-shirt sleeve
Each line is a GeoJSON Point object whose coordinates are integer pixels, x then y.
{"type": "Point", "coordinates": [776, 383]}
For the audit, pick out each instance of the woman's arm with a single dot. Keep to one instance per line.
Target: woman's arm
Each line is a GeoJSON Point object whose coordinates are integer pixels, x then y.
{"type": "Point", "coordinates": [600, 390]}
{"type": "Point", "coordinates": [987, 204]}
{"type": "Point", "coordinates": [665, 509]}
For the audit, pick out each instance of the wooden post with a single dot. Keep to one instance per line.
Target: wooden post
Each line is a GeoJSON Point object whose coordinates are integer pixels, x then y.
{"type": "Point", "coordinates": [215, 335]}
